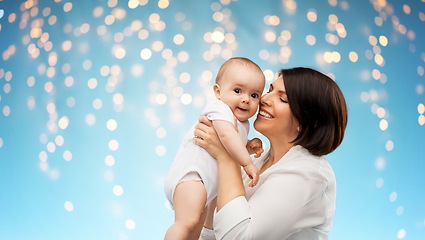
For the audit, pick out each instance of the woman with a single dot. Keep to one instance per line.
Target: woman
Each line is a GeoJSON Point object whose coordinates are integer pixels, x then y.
{"type": "Point", "coordinates": [304, 116]}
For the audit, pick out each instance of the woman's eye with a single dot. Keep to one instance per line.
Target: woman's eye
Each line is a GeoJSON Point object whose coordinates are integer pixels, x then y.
{"type": "Point", "coordinates": [283, 100]}
{"type": "Point", "coordinates": [254, 95]}
{"type": "Point", "coordinates": [237, 91]}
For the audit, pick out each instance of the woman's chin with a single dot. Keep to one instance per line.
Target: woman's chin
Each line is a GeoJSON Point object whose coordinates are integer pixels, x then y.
{"type": "Point", "coordinates": [260, 124]}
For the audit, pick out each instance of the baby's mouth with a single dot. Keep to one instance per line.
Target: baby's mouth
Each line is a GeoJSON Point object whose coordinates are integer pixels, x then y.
{"type": "Point", "coordinates": [241, 109]}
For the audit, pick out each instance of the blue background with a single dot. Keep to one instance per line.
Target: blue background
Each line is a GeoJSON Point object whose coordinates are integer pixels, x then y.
{"type": "Point", "coordinates": [381, 189]}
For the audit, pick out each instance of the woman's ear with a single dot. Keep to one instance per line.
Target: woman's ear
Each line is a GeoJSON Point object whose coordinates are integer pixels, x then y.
{"type": "Point", "coordinates": [216, 89]}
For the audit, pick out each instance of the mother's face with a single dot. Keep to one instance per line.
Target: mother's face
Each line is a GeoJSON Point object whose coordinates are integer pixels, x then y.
{"type": "Point", "coordinates": [275, 118]}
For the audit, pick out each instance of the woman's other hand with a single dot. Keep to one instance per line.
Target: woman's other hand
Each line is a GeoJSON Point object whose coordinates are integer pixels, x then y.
{"type": "Point", "coordinates": [255, 146]}
{"type": "Point", "coordinates": [206, 137]}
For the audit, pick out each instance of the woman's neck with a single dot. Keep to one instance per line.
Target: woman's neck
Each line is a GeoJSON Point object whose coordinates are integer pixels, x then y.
{"type": "Point", "coordinates": [278, 150]}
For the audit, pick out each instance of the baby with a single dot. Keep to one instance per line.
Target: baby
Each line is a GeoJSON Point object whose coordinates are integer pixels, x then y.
{"type": "Point", "coordinates": [192, 180]}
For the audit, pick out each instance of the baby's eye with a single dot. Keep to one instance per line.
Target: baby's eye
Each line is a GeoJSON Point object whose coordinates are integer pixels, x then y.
{"type": "Point", "coordinates": [237, 90]}
{"type": "Point", "coordinates": [254, 95]}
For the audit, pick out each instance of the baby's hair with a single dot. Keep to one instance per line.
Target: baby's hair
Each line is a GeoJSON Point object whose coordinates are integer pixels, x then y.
{"type": "Point", "coordinates": [232, 61]}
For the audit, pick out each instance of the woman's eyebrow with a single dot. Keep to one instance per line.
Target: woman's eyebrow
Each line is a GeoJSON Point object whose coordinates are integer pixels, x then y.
{"type": "Point", "coordinates": [280, 91]}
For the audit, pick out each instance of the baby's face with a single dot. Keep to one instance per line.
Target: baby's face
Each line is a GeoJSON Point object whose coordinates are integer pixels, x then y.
{"type": "Point", "coordinates": [241, 89]}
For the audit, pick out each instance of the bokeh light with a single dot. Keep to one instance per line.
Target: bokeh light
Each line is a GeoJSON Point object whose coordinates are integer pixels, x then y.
{"type": "Point", "coordinates": [160, 150]}
{"type": "Point", "coordinates": [421, 108]}
{"type": "Point", "coordinates": [113, 145]}
{"type": "Point", "coordinates": [70, 67]}
{"type": "Point", "coordinates": [111, 124]}
{"type": "Point", "coordinates": [379, 183]}
{"type": "Point", "coordinates": [110, 160]}
{"type": "Point", "coordinates": [69, 206]}
{"type": "Point", "coordinates": [30, 102]}
{"type": "Point", "coordinates": [380, 163]}
{"type": "Point", "coordinates": [311, 40]}
{"type": "Point", "coordinates": [186, 99]}
{"type": "Point", "coordinates": [146, 53]}
{"type": "Point", "coordinates": [393, 196]}
{"type": "Point", "coordinates": [161, 132]}
{"type": "Point", "coordinates": [109, 176]}
{"type": "Point", "coordinates": [389, 145]}
{"type": "Point", "coordinates": [90, 119]}
{"type": "Point", "coordinates": [97, 104]}
{"type": "Point", "coordinates": [63, 122]}
{"type": "Point", "coordinates": [399, 210]}
{"type": "Point", "coordinates": [59, 140]}
{"type": "Point", "coordinates": [161, 99]}
{"type": "Point", "coordinates": [421, 120]}
{"type": "Point", "coordinates": [117, 190]}
{"type": "Point", "coordinates": [353, 56]}
{"type": "Point", "coordinates": [178, 39]}
{"type": "Point", "coordinates": [6, 111]}
{"type": "Point", "coordinates": [383, 124]}
{"type": "Point", "coordinates": [42, 156]}
{"type": "Point", "coordinates": [130, 224]}
{"type": "Point", "coordinates": [51, 147]}
{"type": "Point", "coordinates": [401, 234]}
{"type": "Point", "coordinates": [70, 101]}
{"type": "Point", "coordinates": [67, 155]}
{"type": "Point", "coordinates": [312, 15]}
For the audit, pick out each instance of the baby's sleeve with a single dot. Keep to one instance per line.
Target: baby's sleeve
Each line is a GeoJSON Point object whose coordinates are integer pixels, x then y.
{"type": "Point", "coordinates": [218, 110]}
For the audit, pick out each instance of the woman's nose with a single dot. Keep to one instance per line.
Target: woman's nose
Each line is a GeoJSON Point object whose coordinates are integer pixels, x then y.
{"type": "Point", "coordinates": [265, 100]}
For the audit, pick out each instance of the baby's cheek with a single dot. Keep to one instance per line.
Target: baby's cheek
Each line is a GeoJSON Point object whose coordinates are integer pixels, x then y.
{"type": "Point", "coordinates": [256, 105]}
{"type": "Point", "coordinates": [254, 110]}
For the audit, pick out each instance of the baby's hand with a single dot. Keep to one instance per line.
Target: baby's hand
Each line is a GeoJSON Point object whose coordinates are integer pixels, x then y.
{"type": "Point", "coordinates": [253, 172]}
{"type": "Point", "coordinates": [255, 146]}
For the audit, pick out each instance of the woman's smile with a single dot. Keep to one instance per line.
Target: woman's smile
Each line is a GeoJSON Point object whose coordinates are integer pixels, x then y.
{"type": "Point", "coordinates": [263, 113]}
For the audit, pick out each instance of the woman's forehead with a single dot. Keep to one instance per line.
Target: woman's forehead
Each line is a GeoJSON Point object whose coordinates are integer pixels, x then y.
{"type": "Point", "coordinates": [278, 84]}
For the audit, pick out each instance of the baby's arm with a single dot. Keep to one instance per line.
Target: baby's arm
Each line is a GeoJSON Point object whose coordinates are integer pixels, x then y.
{"type": "Point", "coordinates": [233, 143]}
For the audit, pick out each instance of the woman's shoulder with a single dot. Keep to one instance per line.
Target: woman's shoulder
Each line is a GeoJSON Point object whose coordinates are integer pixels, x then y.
{"type": "Point", "coordinates": [299, 155]}
{"type": "Point", "coordinates": [298, 159]}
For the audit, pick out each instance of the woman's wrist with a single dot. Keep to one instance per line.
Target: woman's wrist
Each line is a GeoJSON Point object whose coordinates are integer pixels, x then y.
{"type": "Point", "coordinates": [224, 157]}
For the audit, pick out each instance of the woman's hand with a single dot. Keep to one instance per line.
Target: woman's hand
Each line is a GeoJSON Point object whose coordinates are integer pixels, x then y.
{"type": "Point", "coordinates": [206, 137]}
{"type": "Point", "coordinates": [255, 146]}
{"type": "Point", "coordinates": [230, 185]}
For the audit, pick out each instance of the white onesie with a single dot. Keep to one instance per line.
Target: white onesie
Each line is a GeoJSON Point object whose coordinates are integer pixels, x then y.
{"type": "Point", "coordinates": [193, 158]}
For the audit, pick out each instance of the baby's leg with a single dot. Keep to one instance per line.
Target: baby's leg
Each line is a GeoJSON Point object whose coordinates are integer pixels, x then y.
{"type": "Point", "coordinates": [196, 233]}
{"type": "Point", "coordinates": [189, 201]}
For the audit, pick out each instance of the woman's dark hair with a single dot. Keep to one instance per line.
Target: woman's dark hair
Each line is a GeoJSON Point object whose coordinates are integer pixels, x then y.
{"type": "Point", "coordinates": [319, 107]}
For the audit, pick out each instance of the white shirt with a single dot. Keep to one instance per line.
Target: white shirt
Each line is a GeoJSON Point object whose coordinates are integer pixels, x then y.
{"type": "Point", "coordinates": [294, 199]}
{"type": "Point", "coordinates": [193, 158]}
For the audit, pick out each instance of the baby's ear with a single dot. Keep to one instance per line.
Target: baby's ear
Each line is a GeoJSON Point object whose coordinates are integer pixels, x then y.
{"type": "Point", "coordinates": [216, 89]}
